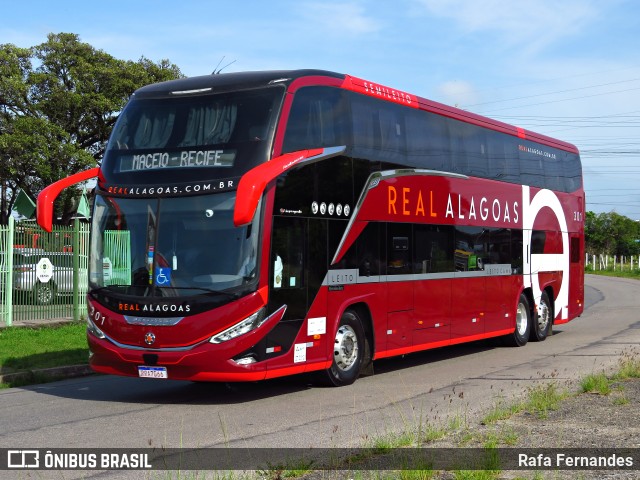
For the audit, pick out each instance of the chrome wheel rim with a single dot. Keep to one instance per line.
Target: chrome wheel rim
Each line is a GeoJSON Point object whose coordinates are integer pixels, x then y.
{"type": "Point", "coordinates": [522, 318]}
{"type": "Point", "coordinates": [345, 351]}
{"type": "Point", "coordinates": [543, 316]}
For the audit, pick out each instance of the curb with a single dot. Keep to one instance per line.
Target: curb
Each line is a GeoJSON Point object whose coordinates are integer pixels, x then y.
{"type": "Point", "coordinates": [35, 324]}
{"type": "Point", "coordinates": [54, 373]}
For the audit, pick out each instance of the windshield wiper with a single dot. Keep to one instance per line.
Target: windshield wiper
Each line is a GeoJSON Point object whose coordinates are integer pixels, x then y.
{"type": "Point", "coordinates": [208, 290]}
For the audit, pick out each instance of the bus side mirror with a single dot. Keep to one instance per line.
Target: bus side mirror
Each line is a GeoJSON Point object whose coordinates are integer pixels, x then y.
{"type": "Point", "coordinates": [252, 184]}
{"type": "Point", "coordinates": [44, 209]}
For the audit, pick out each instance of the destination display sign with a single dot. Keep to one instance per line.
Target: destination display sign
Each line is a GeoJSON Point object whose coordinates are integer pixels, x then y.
{"type": "Point", "coordinates": [181, 159]}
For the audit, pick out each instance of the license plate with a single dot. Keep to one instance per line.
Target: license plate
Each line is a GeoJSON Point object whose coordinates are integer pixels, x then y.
{"type": "Point", "coordinates": [152, 372]}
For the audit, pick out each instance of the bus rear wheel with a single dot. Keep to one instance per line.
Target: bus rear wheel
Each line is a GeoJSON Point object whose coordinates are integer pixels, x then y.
{"type": "Point", "coordinates": [348, 351]}
{"type": "Point", "coordinates": [543, 320]}
{"type": "Point", "coordinates": [521, 333]}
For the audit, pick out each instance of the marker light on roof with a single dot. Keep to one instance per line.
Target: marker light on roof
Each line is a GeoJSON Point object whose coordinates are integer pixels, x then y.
{"type": "Point", "coordinates": [189, 92]}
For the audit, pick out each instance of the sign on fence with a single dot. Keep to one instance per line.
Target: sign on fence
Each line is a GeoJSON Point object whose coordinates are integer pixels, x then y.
{"type": "Point", "coordinates": [44, 270]}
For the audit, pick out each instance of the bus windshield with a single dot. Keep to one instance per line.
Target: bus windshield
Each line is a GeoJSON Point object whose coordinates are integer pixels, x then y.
{"type": "Point", "coordinates": [172, 247]}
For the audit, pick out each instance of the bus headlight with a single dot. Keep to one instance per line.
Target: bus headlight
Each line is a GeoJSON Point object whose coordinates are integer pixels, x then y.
{"type": "Point", "coordinates": [94, 329]}
{"type": "Point", "coordinates": [240, 328]}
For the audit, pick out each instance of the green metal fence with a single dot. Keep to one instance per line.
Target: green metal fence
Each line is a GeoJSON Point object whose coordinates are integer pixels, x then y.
{"type": "Point", "coordinates": [43, 275]}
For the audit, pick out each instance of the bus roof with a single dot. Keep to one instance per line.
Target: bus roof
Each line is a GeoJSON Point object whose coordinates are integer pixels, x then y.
{"type": "Point", "coordinates": [246, 80]}
{"type": "Point", "coordinates": [231, 81]}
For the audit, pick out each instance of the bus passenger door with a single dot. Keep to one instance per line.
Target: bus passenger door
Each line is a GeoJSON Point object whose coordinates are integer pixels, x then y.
{"type": "Point", "coordinates": [400, 285]}
{"type": "Point", "coordinates": [287, 283]}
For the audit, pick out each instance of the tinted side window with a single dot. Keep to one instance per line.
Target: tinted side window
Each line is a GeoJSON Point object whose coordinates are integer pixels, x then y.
{"type": "Point", "coordinates": [428, 143]}
{"type": "Point", "coordinates": [433, 248]}
{"type": "Point", "coordinates": [365, 252]}
{"type": "Point", "coordinates": [531, 169]}
{"type": "Point", "coordinates": [399, 249]}
{"type": "Point", "coordinates": [288, 252]}
{"type": "Point", "coordinates": [474, 145]}
{"type": "Point", "coordinates": [470, 248]}
{"type": "Point", "coordinates": [574, 248]}
{"type": "Point", "coordinates": [317, 119]}
{"type": "Point", "coordinates": [553, 173]}
{"type": "Point", "coordinates": [366, 126]}
{"type": "Point", "coordinates": [572, 172]}
{"type": "Point", "coordinates": [538, 240]}
{"type": "Point", "coordinates": [379, 129]}
{"type": "Point", "coordinates": [392, 131]}
{"type": "Point", "coordinates": [504, 164]}
{"type": "Point", "coordinates": [368, 246]}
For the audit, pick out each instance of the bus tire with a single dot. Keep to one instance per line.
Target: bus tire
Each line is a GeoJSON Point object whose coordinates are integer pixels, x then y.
{"type": "Point", "coordinates": [348, 351]}
{"type": "Point", "coordinates": [543, 319]}
{"type": "Point", "coordinates": [521, 333]}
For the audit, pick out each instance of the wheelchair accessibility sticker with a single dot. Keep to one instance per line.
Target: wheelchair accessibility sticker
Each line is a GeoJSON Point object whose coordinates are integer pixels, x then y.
{"type": "Point", "coordinates": [162, 278]}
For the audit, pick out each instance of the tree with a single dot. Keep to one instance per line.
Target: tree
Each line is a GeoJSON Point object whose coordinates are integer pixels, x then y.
{"type": "Point", "coordinates": [58, 103]}
{"type": "Point", "coordinates": [611, 234]}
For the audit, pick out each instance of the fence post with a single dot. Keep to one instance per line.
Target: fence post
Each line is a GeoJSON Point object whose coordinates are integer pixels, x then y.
{"type": "Point", "coordinates": [8, 290]}
{"type": "Point", "coordinates": [76, 270]}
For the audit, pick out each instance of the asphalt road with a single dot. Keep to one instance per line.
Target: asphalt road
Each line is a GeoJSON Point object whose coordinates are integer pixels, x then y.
{"type": "Point", "coordinates": [105, 411]}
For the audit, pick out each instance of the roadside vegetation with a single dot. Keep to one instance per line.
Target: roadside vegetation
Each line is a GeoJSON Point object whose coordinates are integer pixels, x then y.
{"type": "Point", "coordinates": [28, 349]}
{"type": "Point", "coordinates": [494, 430]}
{"type": "Point", "coordinates": [614, 236]}
{"type": "Point", "coordinates": [614, 273]}
{"type": "Point", "coordinates": [611, 234]}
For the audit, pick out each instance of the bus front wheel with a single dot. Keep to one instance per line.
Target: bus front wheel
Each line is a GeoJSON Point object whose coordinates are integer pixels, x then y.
{"type": "Point", "coordinates": [348, 351]}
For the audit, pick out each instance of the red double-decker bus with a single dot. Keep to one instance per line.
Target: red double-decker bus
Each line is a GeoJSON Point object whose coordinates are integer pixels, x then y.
{"type": "Point", "coordinates": [253, 225]}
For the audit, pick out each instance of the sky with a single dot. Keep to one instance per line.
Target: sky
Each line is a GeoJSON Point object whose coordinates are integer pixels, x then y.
{"type": "Point", "coordinates": [569, 69]}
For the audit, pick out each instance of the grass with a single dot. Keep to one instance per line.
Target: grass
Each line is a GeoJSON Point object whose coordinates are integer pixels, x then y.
{"type": "Point", "coordinates": [629, 367]}
{"type": "Point", "coordinates": [290, 470]}
{"type": "Point", "coordinates": [596, 383]}
{"type": "Point", "coordinates": [601, 384]}
{"type": "Point", "coordinates": [26, 349]}
{"type": "Point", "coordinates": [500, 411]}
{"type": "Point", "coordinates": [635, 273]}
{"type": "Point", "coordinates": [544, 398]}
{"type": "Point", "coordinates": [540, 400]}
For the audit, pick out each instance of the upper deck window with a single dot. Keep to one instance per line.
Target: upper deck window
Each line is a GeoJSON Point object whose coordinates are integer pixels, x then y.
{"type": "Point", "coordinates": [190, 133]}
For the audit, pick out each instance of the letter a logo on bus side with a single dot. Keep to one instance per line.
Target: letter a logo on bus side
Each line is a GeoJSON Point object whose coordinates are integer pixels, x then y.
{"type": "Point", "coordinates": [548, 262]}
